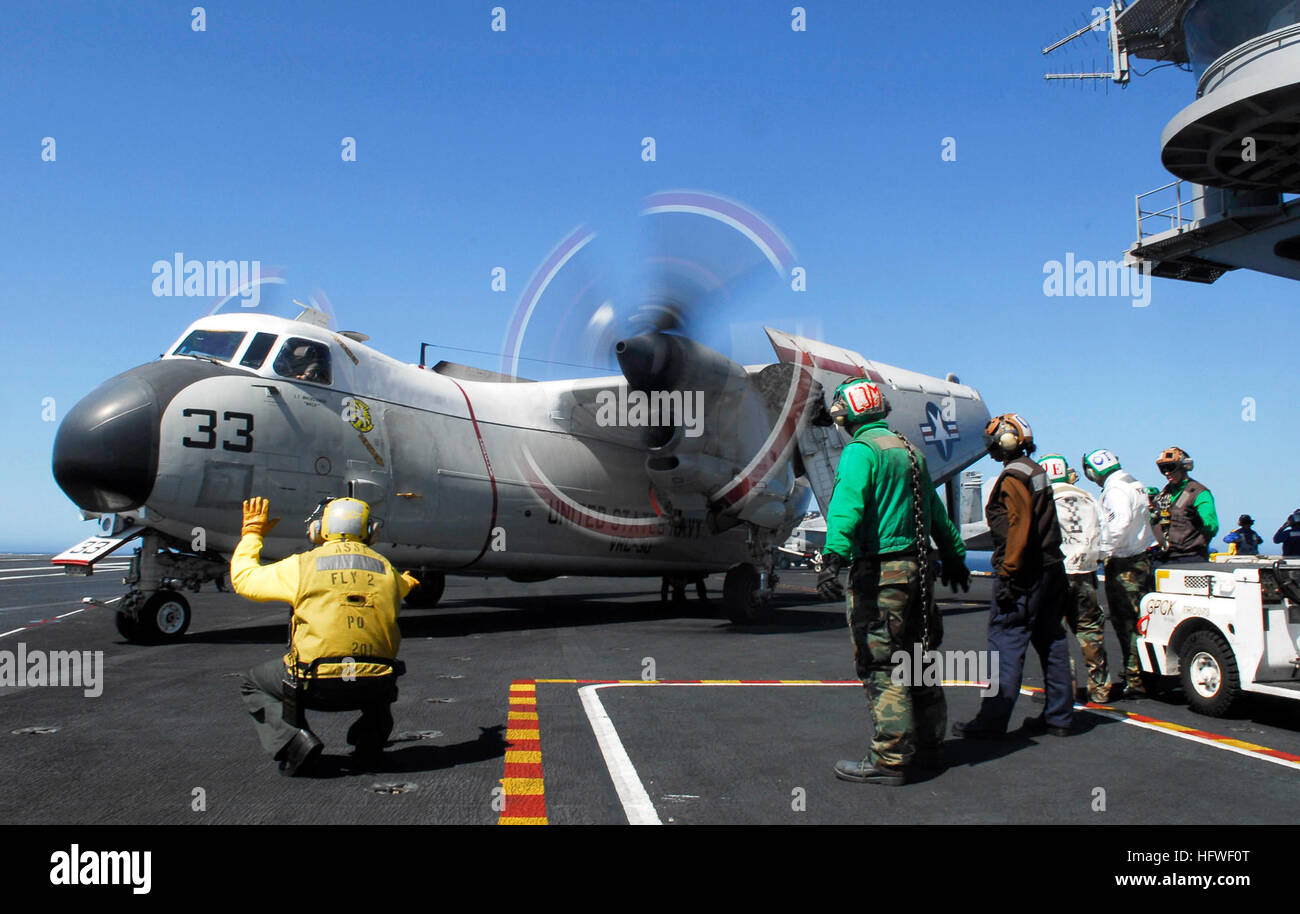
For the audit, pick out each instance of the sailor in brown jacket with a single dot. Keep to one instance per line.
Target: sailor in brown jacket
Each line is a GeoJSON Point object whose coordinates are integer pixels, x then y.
{"type": "Point", "coordinates": [1030, 590]}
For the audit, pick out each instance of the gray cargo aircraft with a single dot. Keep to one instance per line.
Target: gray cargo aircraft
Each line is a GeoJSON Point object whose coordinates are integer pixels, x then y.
{"type": "Point", "coordinates": [685, 465]}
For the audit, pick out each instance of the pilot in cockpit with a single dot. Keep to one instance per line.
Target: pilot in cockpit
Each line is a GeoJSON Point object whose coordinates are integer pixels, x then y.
{"type": "Point", "coordinates": [305, 364]}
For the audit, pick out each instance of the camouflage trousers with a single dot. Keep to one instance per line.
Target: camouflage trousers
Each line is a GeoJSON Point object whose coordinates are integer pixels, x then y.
{"type": "Point", "coordinates": [1127, 581]}
{"type": "Point", "coordinates": [1084, 617]}
{"type": "Point", "coordinates": [883, 606]}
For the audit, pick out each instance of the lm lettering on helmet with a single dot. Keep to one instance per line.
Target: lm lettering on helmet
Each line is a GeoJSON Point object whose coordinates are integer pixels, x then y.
{"type": "Point", "coordinates": [858, 400]}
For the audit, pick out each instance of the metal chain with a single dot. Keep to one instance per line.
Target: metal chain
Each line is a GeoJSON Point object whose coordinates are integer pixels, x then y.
{"type": "Point", "coordinates": [1164, 516]}
{"type": "Point", "coordinates": [922, 545]}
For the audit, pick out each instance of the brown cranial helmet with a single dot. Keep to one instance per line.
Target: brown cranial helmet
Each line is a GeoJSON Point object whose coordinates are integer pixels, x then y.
{"type": "Point", "coordinates": [1007, 436]}
{"type": "Point", "coordinates": [1172, 458]}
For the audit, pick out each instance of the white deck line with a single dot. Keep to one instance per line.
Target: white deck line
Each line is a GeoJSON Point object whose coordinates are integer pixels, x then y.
{"type": "Point", "coordinates": [631, 792]}
{"type": "Point", "coordinates": [639, 809]}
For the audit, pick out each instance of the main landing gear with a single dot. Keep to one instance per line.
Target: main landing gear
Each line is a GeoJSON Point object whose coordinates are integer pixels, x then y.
{"type": "Point", "coordinates": [747, 593]}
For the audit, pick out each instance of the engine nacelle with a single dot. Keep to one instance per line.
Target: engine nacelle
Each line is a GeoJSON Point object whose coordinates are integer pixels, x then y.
{"type": "Point", "coordinates": [737, 465]}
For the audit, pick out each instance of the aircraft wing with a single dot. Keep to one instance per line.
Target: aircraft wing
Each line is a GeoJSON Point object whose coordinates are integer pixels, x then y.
{"type": "Point", "coordinates": [944, 417]}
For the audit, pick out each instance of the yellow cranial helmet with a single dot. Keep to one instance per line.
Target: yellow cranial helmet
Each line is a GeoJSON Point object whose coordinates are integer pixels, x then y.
{"type": "Point", "coordinates": [340, 518]}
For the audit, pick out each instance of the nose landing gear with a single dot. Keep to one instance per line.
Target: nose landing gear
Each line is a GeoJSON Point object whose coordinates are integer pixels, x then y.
{"type": "Point", "coordinates": [154, 611]}
{"type": "Point", "coordinates": [157, 619]}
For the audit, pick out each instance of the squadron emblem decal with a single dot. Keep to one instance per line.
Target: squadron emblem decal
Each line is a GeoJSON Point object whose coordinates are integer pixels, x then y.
{"type": "Point", "coordinates": [939, 431]}
{"type": "Point", "coordinates": [357, 414]}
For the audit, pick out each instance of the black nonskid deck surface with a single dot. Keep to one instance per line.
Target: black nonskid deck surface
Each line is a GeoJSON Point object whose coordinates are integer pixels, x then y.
{"type": "Point", "coordinates": [168, 740]}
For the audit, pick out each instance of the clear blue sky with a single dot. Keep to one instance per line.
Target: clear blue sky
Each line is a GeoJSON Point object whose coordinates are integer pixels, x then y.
{"type": "Point", "coordinates": [478, 149]}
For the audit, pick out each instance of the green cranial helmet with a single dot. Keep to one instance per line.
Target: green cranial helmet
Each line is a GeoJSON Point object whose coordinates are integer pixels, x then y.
{"type": "Point", "coordinates": [856, 401]}
{"type": "Point", "coordinates": [1057, 469]}
{"type": "Point", "coordinates": [1099, 464]}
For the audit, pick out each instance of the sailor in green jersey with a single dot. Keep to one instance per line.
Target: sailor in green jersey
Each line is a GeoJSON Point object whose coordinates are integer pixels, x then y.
{"type": "Point", "coordinates": [1192, 522]}
{"type": "Point", "coordinates": [883, 496]}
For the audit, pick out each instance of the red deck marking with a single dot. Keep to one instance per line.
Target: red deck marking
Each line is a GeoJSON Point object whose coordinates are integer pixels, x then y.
{"type": "Point", "coordinates": [1172, 727]}
{"type": "Point", "coordinates": [37, 623]}
{"type": "Point", "coordinates": [522, 781]}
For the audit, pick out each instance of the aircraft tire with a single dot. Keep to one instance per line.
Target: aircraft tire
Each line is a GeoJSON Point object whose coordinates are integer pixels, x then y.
{"type": "Point", "coordinates": [741, 598]}
{"type": "Point", "coordinates": [427, 595]}
{"type": "Point", "coordinates": [128, 627]}
{"type": "Point", "coordinates": [1208, 671]}
{"type": "Point", "coordinates": [165, 617]}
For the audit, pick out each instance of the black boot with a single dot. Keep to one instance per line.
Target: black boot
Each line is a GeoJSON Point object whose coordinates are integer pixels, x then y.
{"type": "Point", "coordinates": [865, 773]}
{"type": "Point", "coordinates": [300, 752]}
{"type": "Point", "coordinates": [929, 759]}
{"type": "Point", "coordinates": [974, 729]}
{"type": "Point", "coordinates": [1039, 725]}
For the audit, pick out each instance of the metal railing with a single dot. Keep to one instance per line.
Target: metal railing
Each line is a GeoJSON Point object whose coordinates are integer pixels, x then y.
{"type": "Point", "coordinates": [1176, 216]}
{"type": "Point", "coordinates": [1246, 52]}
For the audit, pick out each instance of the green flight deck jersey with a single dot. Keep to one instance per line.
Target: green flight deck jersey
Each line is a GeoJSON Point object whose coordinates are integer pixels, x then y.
{"type": "Point", "coordinates": [871, 511]}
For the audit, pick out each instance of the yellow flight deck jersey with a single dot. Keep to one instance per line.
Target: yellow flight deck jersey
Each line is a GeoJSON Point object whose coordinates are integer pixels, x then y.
{"type": "Point", "coordinates": [345, 599]}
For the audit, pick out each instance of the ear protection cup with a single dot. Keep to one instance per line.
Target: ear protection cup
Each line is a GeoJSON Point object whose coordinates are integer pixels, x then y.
{"type": "Point", "coordinates": [839, 410]}
{"type": "Point", "coordinates": [1008, 434]}
{"type": "Point", "coordinates": [341, 517]}
{"type": "Point", "coordinates": [1099, 464]}
{"type": "Point", "coordinates": [1177, 457]}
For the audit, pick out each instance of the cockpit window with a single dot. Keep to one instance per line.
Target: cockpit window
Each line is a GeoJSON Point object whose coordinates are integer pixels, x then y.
{"type": "Point", "coordinates": [257, 350]}
{"type": "Point", "coordinates": [212, 344]}
{"type": "Point", "coordinates": [304, 360]}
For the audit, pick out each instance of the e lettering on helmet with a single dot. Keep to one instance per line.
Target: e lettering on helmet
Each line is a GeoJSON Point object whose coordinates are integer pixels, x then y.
{"type": "Point", "coordinates": [1056, 467]}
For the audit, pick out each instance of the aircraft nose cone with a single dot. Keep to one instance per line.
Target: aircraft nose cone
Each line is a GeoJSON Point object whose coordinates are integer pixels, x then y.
{"type": "Point", "coordinates": [106, 449]}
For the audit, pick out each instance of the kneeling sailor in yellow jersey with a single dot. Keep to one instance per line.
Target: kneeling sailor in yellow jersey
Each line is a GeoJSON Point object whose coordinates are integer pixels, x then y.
{"type": "Point", "coordinates": [343, 635]}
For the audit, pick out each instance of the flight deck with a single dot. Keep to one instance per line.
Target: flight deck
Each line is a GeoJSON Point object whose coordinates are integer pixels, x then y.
{"type": "Point", "coordinates": [579, 701]}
